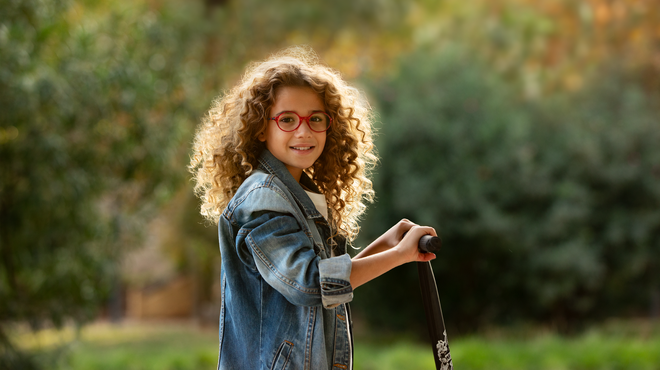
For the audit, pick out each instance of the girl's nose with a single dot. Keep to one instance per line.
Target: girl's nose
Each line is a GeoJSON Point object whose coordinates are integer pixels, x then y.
{"type": "Point", "coordinates": [304, 129]}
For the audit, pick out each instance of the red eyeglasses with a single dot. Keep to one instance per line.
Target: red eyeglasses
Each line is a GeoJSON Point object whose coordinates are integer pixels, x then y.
{"type": "Point", "coordinates": [290, 121]}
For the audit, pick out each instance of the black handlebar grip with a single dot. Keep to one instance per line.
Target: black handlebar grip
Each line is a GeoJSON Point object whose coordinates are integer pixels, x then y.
{"type": "Point", "coordinates": [429, 243]}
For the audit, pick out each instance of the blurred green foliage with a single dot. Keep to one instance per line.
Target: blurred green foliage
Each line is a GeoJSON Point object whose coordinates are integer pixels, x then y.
{"type": "Point", "coordinates": [91, 131]}
{"type": "Point", "coordinates": [549, 209]}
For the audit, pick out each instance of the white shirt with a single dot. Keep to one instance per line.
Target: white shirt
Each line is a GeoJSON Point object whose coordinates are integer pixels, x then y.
{"type": "Point", "coordinates": [319, 202]}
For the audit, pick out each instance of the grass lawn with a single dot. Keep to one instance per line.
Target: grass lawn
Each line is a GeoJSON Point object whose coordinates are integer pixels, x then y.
{"type": "Point", "coordinates": [183, 346]}
{"type": "Point", "coordinates": [129, 346]}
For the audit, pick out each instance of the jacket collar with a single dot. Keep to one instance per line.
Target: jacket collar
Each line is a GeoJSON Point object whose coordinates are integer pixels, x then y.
{"type": "Point", "coordinates": [268, 163]}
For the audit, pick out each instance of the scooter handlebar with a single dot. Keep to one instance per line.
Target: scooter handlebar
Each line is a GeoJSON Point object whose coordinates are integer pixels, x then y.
{"type": "Point", "coordinates": [429, 243]}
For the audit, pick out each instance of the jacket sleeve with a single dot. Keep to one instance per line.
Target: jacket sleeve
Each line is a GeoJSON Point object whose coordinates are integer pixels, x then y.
{"type": "Point", "coordinates": [335, 273]}
{"type": "Point", "coordinates": [284, 254]}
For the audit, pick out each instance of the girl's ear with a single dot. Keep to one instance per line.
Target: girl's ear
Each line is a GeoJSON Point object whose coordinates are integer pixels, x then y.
{"type": "Point", "coordinates": [262, 134]}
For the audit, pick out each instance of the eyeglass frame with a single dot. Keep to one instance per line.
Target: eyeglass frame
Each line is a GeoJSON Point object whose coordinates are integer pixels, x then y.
{"type": "Point", "coordinates": [301, 119]}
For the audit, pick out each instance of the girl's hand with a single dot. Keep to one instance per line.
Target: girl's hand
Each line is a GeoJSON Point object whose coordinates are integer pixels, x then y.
{"type": "Point", "coordinates": [388, 240]}
{"type": "Point", "coordinates": [390, 250]}
{"type": "Point", "coordinates": [408, 246]}
{"type": "Point", "coordinates": [393, 236]}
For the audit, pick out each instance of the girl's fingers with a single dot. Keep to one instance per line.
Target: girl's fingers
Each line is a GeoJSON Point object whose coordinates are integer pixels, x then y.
{"type": "Point", "coordinates": [425, 257]}
{"type": "Point", "coordinates": [405, 225]}
{"type": "Point", "coordinates": [410, 243]}
{"type": "Point", "coordinates": [420, 231]}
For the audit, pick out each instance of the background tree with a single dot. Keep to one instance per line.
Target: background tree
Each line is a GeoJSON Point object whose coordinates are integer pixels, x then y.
{"type": "Point", "coordinates": [90, 143]}
{"type": "Point", "coordinates": [548, 208]}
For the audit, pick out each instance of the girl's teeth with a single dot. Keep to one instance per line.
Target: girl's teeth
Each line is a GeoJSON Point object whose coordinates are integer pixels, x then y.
{"type": "Point", "coordinates": [302, 147]}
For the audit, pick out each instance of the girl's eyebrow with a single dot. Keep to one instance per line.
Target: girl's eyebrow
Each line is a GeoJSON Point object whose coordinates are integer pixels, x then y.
{"type": "Point", "coordinates": [293, 111]}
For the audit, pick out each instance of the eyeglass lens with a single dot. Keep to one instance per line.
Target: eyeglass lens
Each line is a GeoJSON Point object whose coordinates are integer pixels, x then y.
{"type": "Point", "coordinates": [289, 121]}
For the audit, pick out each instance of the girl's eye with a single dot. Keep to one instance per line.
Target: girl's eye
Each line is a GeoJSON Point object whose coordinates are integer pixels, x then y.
{"type": "Point", "coordinates": [287, 119]}
{"type": "Point", "coordinates": [318, 118]}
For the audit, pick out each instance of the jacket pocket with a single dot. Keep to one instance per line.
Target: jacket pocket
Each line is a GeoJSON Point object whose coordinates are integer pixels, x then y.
{"type": "Point", "coordinates": [282, 356]}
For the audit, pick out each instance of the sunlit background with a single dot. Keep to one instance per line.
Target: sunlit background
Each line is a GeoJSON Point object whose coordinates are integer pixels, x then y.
{"type": "Point", "coordinates": [526, 132]}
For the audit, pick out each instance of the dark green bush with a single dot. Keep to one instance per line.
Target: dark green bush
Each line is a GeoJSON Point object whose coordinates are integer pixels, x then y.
{"type": "Point", "coordinates": [95, 112]}
{"type": "Point", "coordinates": [549, 209]}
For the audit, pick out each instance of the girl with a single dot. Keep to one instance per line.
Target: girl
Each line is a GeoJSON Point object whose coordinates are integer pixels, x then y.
{"type": "Point", "coordinates": [281, 165]}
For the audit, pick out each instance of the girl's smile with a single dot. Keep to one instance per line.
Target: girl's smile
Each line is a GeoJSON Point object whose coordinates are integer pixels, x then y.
{"type": "Point", "coordinates": [297, 149]}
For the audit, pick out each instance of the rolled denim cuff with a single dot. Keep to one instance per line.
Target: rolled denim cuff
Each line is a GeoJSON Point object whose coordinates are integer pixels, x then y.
{"type": "Point", "coordinates": [335, 278]}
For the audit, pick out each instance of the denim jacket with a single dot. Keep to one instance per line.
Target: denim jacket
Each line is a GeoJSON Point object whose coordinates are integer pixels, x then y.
{"type": "Point", "coordinates": [284, 299]}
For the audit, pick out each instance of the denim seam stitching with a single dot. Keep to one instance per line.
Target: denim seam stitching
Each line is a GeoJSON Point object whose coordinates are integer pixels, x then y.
{"type": "Point", "coordinates": [276, 272]}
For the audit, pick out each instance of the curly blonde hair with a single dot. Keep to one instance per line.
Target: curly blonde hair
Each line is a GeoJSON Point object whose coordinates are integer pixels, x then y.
{"type": "Point", "coordinates": [226, 148]}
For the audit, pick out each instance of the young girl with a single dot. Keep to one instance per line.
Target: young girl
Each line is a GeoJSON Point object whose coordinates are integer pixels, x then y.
{"type": "Point", "coordinates": [281, 165]}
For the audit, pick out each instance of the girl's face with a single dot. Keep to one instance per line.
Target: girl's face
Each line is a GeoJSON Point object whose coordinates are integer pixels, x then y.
{"type": "Point", "coordinates": [297, 149]}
